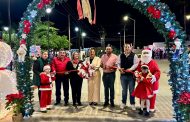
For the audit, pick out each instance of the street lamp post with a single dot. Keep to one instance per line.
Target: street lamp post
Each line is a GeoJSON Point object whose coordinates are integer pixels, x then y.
{"type": "Point", "coordinates": [78, 33]}
{"type": "Point", "coordinates": [120, 41]}
{"type": "Point", "coordinates": [83, 34]}
{"type": "Point", "coordinates": [48, 11]}
{"type": "Point", "coordinates": [124, 33]}
{"type": "Point", "coordinates": [187, 18]}
{"type": "Point", "coordinates": [69, 32]}
{"type": "Point", "coordinates": [126, 18]}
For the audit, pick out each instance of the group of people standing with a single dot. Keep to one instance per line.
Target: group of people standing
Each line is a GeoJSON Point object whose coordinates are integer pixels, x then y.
{"type": "Point", "coordinates": [63, 69]}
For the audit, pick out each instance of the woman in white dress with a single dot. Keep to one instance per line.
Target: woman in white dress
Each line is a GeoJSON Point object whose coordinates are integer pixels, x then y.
{"type": "Point", "coordinates": [94, 81]}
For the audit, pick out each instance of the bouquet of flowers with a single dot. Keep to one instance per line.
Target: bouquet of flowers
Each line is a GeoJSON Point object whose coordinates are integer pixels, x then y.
{"type": "Point", "coordinates": [85, 70]}
{"type": "Point", "coordinates": [184, 101]}
{"type": "Point", "coordinates": [15, 101]}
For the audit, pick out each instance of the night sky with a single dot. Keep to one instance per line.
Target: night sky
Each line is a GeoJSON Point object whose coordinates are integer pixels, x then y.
{"type": "Point", "coordinates": [109, 18]}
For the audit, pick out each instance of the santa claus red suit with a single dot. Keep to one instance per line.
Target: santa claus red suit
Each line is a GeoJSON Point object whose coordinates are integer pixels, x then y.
{"type": "Point", "coordinates": [146, 59]}
{"type": "Point", "coordinates": [46, 89]}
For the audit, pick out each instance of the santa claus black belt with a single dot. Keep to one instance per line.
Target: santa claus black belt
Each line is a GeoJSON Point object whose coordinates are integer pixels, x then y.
{"type": "Point", "coordinates": [44, 84]}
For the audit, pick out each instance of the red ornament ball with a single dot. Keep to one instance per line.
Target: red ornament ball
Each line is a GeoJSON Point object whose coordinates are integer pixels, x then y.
{"type": "Point", "coordinates": [172, 34]}
{"type": "Point", "coordinates": [40, 5]}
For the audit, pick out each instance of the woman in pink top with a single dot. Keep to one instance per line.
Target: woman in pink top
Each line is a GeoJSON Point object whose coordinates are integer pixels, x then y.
{"type": "Point", "coordinates": [108, 63]}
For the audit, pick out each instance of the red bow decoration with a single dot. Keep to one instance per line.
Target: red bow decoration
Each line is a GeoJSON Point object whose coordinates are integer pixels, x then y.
{"type": "Point", "coordinates": [27, 25]}
{"type": "Point", "coordinates": [184, 98]}
{"type": "Point", "coordinates": [155, 13]}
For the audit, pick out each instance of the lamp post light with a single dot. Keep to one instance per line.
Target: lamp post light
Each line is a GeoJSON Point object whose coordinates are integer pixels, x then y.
{"type": "Point", "coordinates": [6, 28]}
{"type": "Point", "coordinates": [83, 34]}
{"type": "Point", "coordinates": [188, 17]}
{"type": "Point", "coordinates": [48, 11]}
{"type": "Point", "coordinates": [76, 29]}
{"type": "Point", "coordinates": [126, 18]}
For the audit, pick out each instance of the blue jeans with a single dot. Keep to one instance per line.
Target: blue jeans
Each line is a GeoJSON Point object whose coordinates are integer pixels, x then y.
{"type": "Point", "coordinates": [127, 82]}
{"type": "Point", "coordinates": [109, 80]}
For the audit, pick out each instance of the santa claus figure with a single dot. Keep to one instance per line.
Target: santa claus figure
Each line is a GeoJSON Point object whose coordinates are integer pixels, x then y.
{"type": "Point", "coordinates": [46, 89]}
{"type": "Point", "coordinates": [22, 52]}
{"type": "Point", "coordinates": [146, 59]}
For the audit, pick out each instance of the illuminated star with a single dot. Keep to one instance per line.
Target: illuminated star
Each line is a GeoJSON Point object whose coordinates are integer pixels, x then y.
{"type": "Point", "coordinates": [33, 13]}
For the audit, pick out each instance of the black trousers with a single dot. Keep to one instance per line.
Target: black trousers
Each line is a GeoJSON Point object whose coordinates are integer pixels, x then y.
{"type": "Point", "coordinates": [76, 85]}
{"type": "Point", "coordinates": [39, 93]}
{"type": "Point", "coordinates": [64, 80]}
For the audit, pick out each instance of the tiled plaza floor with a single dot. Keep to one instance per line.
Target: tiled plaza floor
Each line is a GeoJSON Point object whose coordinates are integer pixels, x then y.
{"type": "Point", "coordinates": [86, 113]}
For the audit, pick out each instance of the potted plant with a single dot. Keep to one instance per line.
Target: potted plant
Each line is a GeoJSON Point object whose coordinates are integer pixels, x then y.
{"type": "Point", "coordinates": [184, 102]}
{"type": "Point", "coordinates": [15, 101]}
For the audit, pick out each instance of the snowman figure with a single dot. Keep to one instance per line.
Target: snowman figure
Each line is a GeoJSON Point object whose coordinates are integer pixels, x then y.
{"type": "Point", "coordinates": [7, 77]}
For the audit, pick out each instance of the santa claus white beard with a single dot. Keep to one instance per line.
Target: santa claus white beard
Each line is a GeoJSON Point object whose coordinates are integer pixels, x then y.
{"type": "Point", "coordinates": [145, 60]}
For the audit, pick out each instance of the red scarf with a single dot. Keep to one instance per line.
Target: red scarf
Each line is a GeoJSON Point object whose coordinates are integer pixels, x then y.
{"type": "Point", "coordinates": [75, 61]}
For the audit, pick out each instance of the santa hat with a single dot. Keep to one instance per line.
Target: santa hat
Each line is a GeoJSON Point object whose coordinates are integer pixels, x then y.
{"type": "Point", "coordinates": [46, 67]}
{"type": "Point", "coordinates": [147, 50]}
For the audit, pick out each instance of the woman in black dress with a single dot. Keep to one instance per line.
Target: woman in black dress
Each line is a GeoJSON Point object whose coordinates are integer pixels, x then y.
{"type": "Point", "coordinates": [75, 79]}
